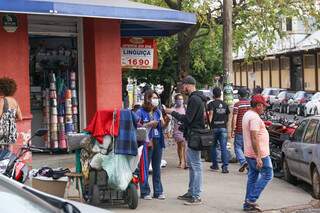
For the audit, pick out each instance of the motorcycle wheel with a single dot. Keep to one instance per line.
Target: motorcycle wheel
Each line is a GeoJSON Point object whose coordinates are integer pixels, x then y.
{"type": "Point", "coordinates": [286, 173]}
{"type": "Point", "coordinates": [315, 184]}
{"type": "Point", "coordinates": [132, 196]}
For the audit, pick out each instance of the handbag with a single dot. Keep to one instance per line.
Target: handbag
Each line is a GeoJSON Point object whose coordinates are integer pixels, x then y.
{"type": "Point", "coordinates": [201, 139]}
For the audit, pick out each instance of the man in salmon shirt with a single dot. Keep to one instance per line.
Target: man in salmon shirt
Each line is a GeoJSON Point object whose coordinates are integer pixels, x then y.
{"type": "Point", "coordinates": [256, 151]}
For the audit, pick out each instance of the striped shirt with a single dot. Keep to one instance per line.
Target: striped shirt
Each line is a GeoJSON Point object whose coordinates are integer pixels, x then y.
{"type": "Point", "coordinates": [239, 109]}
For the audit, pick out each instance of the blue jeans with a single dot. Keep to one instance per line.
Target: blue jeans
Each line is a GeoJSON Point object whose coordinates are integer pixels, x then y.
{"type": "Point", "coordinates": [154, 156]}
{"type": "Point", "coordinates": [238, 148]}
{"type": "Point", "coordinates": [258, 179]}
{"type": "Point", "coordinates": [195, 172]}
{"type": "Point", "coordinates": [221, 136]}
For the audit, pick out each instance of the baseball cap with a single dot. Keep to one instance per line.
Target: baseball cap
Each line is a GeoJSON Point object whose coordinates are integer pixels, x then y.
{"type": "Point", "coordinates": [259, 99]}
{"type": "Point", "coordinates": [189, 80]}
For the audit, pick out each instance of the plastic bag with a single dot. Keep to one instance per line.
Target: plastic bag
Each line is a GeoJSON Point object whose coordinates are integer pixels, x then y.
{"type": "Point", "coordinates": [96, 161]}
{"type": "Point", "coordinates": [134, 160]}
{"type": "Point", "coordinates": [118, 170]}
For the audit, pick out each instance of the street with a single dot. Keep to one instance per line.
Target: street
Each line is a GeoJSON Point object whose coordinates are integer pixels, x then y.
{"type": "Point", "coordinates": [222, 192]}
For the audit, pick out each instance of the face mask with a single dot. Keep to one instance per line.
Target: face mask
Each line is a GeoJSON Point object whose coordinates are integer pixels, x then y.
{"type": "Point", "coordinates": [155, 102]}
{"type": "Point", "coordinates": [179, 103]}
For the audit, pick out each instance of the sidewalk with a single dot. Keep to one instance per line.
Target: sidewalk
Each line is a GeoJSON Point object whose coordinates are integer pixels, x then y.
{"type": "Point", "coordinates": [222, 192]}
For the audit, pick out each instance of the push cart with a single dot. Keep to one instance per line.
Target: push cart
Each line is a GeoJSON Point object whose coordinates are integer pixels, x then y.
{"type": "Point", "coordinates": [96, 190]}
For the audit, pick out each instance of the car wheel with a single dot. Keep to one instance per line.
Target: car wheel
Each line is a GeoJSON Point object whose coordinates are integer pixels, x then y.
{"type": "Point", "coordinates": [286, 173]}
{"type": "Point", "coordinates": [315, 184]}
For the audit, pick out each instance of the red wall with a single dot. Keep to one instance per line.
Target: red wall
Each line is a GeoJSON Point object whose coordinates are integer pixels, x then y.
{"type": "Point", "coordinates": [103, 75]}
{"type": "Point", "coordinates": [14, 63]}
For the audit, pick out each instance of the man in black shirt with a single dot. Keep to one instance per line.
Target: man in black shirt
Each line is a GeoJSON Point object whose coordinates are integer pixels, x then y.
{"type": "Point", "coordinates": [218, 115]}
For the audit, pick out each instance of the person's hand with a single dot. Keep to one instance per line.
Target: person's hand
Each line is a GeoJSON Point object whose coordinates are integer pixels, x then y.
{"type": "Point", "coordinates": [259, 163]}
{"type": "Point", "coordinates": [154, 123]}
{"type": "Point", "coordinates": [168, 110]}
{"type": "Point", "coordinates": [232, 134]}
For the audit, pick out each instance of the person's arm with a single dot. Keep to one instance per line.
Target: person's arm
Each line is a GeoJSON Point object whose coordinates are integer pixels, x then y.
{"type": "Point", "coordinates": [190, 113]}
{"type": "Point", "coordinates": [254, 131]}
{"type": "Point", "coordinates": [233, 124]}
{"type": "Point", "coordinates": [19, 113]}
{"type": "Point", "coordinates": [210, 116]}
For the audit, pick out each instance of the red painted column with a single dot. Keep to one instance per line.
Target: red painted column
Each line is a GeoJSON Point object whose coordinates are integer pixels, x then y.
{"type": "Point", "coordinates": [14, 63]}
{"type": "Point", "coordinates": [103, 75]}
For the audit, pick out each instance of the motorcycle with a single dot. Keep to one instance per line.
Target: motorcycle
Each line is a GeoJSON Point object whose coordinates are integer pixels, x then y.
{"type": "Point", "coordinates": [11, 164]}
{"type": "Point", "coordinates": [279, 132]}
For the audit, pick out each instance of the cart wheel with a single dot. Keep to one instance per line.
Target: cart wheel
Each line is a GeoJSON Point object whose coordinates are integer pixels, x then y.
{"type": "Point", "coordinates": [132, 196]}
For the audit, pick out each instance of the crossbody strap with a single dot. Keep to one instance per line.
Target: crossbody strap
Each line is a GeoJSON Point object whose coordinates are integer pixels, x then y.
{"type": "Point", "coordinates": [5, 105]}
{"type": "Point", "coordinates": [206, 109]}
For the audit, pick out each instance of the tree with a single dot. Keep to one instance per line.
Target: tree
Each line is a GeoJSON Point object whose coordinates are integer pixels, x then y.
{"type": "Point", "coordinates": [198, 50]}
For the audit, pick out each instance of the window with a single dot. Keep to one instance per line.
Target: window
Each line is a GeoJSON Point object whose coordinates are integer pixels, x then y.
{"type": "Point", "coordinates": [309, 136]}
{"type": "Point", "coordinates": [289, 24]}
{"type": "Point", "coordinates": [299, 131]}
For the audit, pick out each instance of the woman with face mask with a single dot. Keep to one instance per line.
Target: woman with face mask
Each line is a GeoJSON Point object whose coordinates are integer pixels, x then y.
{"type": "Point", "coordinates": [177, 134]}
{"type": "Point", "coordinates": [151, 117]}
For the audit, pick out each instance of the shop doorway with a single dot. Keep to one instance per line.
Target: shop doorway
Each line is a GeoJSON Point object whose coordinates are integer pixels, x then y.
{"type": "Point", "coordinates": [54, 89]}
{"type": "Point", "coordinates": [56, 78]}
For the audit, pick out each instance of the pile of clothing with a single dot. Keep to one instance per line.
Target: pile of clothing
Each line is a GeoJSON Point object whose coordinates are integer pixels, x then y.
{"type": "Point", "coordinates": [112, 147]}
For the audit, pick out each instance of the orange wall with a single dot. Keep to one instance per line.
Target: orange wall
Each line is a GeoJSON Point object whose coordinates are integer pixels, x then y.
{"type": "Point", "coordinates": [102, 65]}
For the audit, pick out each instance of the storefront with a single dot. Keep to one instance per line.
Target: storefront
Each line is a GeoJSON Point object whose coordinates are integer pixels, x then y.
{"type": "Point", "coordinates": [65, 57]}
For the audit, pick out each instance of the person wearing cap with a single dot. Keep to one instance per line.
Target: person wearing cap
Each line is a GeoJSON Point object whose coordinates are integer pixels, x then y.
{"type": "Point", "coordinates": [239, 109]}
{"type": "Point", "coordinates": [257, 152]}
{"type": "Point", "coordinates": [192, 119]}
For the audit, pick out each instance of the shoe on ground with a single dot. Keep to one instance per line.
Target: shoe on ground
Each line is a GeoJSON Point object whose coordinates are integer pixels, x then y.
{"type": "Point", "coordinates": [161, 197]}
{"type": "Point", "coordinates": [252, 207]}
{"type": "Point", "coordinates": [214, 168]}
{"type": "Point", "coordinates": [193, 201]}
{"type": "Point", "coordinates": [186, 196]}
{"type": "Point", "coordinates": [243, 167]}
{"type": "Point", "coordinates": [147, 197]}
{"type": "Point", "coordinates": [225, 171]}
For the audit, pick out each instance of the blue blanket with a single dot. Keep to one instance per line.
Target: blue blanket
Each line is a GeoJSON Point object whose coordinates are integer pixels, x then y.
{"type": "Point", "coordinates": [126, 142]}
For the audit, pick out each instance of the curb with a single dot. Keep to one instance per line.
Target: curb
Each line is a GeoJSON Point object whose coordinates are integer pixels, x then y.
{"type": "Point", "coordinates": [312, 205]}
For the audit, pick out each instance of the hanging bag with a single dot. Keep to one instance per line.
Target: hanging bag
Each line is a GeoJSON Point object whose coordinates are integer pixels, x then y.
{"type": "Point", "coordinates": [201, 139]}
{"type": "Point", "coordinates": [8, 129]}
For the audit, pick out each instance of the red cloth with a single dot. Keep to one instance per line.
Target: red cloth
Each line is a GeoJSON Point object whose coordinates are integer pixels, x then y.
{"type": "Point", "coordinates": [101, 124]}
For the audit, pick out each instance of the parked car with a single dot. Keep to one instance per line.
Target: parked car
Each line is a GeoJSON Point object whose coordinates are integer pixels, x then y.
{"type": "Point", "coordinates": [313, 106]}
{"type": "Point", "coordinates": [298, 101]}
{"type": "Point", "coordinates": [281, 101]}
{"type": "Point", "coordinates": [270, 94]}
{"type": "Point", "coordinates": [17, 197]}
{"type": "Point", "coordinates": [300, 154]}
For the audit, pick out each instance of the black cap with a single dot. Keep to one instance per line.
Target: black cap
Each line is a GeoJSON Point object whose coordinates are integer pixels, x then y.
{"type": "Point", "coordinates": [189, 80]}
{"type": "Point", "coordinates": [243, 92]}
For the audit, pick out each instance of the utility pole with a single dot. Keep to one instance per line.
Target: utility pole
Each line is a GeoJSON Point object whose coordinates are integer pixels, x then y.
{"type": "Point", "coordinates": [227, 50]}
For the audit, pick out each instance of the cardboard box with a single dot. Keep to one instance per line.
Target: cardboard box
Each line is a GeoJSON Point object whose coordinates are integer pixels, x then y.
{"type": "Point", "coordinates": [50, 186]}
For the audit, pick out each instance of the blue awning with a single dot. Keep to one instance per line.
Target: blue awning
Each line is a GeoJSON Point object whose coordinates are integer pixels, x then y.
{"type": "Point", "coordinates": [137, 19]}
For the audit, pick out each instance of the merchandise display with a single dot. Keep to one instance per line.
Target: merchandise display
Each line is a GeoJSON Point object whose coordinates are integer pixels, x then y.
{"type": "Point", "coordinates": [53, 68]}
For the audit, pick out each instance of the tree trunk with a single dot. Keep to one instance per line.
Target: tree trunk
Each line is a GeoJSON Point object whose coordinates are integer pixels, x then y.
{"type": "Point", "coordinates": [183, 57]}
{"type": "Point", "coordinates": [166, 94]}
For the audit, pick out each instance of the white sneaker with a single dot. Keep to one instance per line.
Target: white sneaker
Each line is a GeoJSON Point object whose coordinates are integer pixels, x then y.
{"type": "Point", "coordinates": [147, 197]}
{"type": "Point", "coordinates": [161, 197]}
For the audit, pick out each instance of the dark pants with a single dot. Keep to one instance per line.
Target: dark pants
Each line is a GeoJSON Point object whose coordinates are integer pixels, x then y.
{"type": "Point", "coordinates": [154, 156]}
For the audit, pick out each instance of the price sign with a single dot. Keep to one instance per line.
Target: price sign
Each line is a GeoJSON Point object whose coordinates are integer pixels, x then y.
{"type": "Point", "coordinates": [138, 53]}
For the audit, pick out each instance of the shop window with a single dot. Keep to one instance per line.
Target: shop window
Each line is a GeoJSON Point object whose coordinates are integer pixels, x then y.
{"type": "Point", "coordinates": [285, 72]}
{"type": "Point", "coordinates": [266, 74]}
{"type": "Point", "coordinates": [309, 72]}
{"type": "Point", "coordinates": [258, 73]}
{"type": "Point", "coordinates": [275, 73]}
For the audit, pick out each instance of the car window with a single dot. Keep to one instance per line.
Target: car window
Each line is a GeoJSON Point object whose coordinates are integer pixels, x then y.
{"type": "Point", "coordinates": [266, 92]}
{"type": "Point", "coordinates": [299, 95]}
{"type": "Point", "coordinates": [297, 137]}
{"type": "Point", "coordinates": [282, 94]}
{"type": "Point", "coordinates": [274, 92]}
{"type": "Point", "coordinates": [311, 129]}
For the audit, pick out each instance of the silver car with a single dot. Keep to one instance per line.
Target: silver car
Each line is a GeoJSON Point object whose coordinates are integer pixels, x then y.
{"type": "Point", "coordinates": [301, 154]}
